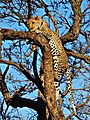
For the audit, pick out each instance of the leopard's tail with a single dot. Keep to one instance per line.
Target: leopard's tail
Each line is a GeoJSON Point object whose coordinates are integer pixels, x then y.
{"type": "Point", "coordinates": [70, 89]}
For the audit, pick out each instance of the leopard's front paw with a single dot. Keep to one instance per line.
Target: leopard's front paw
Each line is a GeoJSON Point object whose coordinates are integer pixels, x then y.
{"type": "Point", "coordinates": [38, 31]}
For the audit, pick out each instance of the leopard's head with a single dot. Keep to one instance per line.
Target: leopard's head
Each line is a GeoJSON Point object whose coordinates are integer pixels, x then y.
{"type": "Point", "coordinates": [36, 24]}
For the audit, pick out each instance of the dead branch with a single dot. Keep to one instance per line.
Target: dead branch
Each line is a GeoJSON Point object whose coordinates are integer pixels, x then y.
{"type": "Point", "coordinates": [50, 16]}
{"type": "Point", "coordinates": [80, 56]}
{"type": "Point", "coordinates": [77, 22]}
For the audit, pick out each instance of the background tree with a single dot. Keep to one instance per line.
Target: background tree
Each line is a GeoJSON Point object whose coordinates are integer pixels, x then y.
{"type": "Point", "coordinates": [23, 67]}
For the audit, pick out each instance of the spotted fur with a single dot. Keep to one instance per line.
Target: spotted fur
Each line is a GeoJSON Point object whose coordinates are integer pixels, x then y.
{"type": "Point", "coordinates": [60, 60]}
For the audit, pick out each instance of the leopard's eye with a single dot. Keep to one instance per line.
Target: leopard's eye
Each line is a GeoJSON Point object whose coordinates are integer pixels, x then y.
{"type": "Point", "coordinates": [33, 22]}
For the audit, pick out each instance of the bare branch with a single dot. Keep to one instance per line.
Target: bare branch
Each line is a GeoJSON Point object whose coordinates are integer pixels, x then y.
{"type": "Point", "coordinates": [26, 73]}
{"type": "Point", "coordinates": [75, 29]}
{"type": "Point", "coordinates": [1, 37]}
{"type": "Point", "coordinates": [50, 16]}
{"type": "Point", "coordinates": [4, 89]}
{"type": "Point", "coordinates": [80, 56]}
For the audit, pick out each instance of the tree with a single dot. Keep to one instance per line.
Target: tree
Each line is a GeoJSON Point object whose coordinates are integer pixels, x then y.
{"type": "Point", "coordinates": [26, 60]}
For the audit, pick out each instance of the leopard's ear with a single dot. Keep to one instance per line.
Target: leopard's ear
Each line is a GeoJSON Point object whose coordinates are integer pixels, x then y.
{"type": "Point", "coordinates": [37, 17]}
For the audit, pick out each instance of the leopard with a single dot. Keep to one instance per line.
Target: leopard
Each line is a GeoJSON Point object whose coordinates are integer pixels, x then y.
{"type": "Point", "coordinates": [60, 59]}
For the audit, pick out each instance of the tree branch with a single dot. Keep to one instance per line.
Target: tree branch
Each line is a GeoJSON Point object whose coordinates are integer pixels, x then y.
{"type": "Point", "coordinates": [4, 89]}
{"type": "Point", "coordinates": [50, 16]}
{"type": "Point", "coordinates": [49, 84]}
{"type": "Point", "coordinates": [26, 73]}
{"type": "Point", "coordinates": [80, 56]}
{"type": "Point", "coordinates": [75, 29]}
{"type": "Point", "coordinates": [17, 101]}
{"type": "Point", "coordinates": [1, 37]}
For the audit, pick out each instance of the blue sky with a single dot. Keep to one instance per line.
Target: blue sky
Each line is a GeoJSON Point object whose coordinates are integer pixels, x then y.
{"type": "Point", "coordinates": [63, 30]}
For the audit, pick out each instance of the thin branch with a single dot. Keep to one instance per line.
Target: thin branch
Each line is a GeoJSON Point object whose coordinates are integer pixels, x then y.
{"type": "Point", "coordinates": [77, 22]}
{"type": "Point", "coordinates": [26, 73]}
{"type": "Point", "coordinates": [1, 37]}
{"type": "Point", "coordinates": [4, 89]}
{"type": "Point", "coordinates": [84, 103]}
{"type": "Point", "coordinates": [50, 16]}
{"type": "Point", "coordinates": [80, 2]}
{"type": "Point", "coordinates": [80, 56]}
